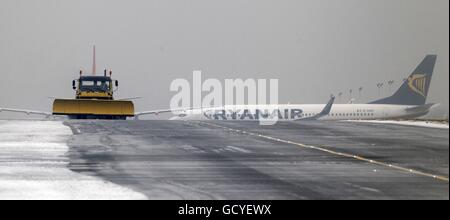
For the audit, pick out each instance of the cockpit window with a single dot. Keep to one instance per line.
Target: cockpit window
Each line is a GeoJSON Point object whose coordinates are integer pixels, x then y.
{"type": "Point", "coordinates": [95, 85]}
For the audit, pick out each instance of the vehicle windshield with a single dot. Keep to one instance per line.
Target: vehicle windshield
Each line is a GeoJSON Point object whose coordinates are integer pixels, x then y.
{"type": "Point", "coordinates": [95, 85]}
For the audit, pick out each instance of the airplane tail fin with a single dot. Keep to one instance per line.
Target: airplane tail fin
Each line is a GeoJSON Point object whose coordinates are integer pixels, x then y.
{"type": "Point", "coordinates": [414, 89]}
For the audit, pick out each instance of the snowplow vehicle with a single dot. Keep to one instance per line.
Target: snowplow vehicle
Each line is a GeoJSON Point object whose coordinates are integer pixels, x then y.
{"type": "Point", "coordinates": [94, 100]}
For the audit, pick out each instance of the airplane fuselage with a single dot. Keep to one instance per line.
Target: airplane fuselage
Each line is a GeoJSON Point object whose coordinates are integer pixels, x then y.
{"type": "Point", "coordinates": [300, 112]}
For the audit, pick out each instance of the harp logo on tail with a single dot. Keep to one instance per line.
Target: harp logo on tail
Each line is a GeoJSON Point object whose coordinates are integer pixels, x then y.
{"type": "Point", "coordinates": [417, 83]}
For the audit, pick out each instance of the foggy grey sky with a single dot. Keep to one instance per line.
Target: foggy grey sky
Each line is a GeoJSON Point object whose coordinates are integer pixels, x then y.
{"type": "Point", "coordinates": [314, 47]}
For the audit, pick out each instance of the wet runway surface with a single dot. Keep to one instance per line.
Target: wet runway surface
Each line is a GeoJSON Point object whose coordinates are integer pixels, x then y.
{"type": "Point", "coordinates": [230, 160]}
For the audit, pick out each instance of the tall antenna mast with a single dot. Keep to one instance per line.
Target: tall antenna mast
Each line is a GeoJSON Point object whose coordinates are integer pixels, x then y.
{"type": "Point", "coordinates": [93, 63]}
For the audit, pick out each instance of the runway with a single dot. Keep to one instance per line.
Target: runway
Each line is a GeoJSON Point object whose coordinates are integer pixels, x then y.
{"type": "Point", "coordinates": [34, 166]}
{"type": "Point", "coordinates": [242, 160]}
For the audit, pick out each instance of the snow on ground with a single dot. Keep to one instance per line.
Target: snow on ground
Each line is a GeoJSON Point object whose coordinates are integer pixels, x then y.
{"type": "Point", "coordinates": [33, 165]}
{"type": "Point", "coordinates": [428, 124]}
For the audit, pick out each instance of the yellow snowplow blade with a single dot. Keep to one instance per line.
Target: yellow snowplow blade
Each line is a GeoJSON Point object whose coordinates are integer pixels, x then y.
{"type": "Point", "coordinates": [87, 108]}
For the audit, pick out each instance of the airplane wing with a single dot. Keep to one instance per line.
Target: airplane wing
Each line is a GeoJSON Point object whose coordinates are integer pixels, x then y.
{"type": "Point", "coordinates": [153, 112]}
{"type": "Point", "coordinates": [129, 98]}
{"type": "Point", "coordinates": [160, 111]}
{"type": "Point", "coordinates": [325, 111]}
{"type": "Point", "coordinates": [53, 97]}
{"type": "Point", "coordinates": [422, 108]}
{"type": "Point", "coordinates": [28, 112]}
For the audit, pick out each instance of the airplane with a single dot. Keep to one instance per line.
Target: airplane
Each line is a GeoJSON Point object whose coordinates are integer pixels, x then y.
{"type": "Point", "coordinates": [406, 103]}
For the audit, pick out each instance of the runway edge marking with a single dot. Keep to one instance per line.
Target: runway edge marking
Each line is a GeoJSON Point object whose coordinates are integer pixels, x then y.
{"type": "Point", "coordinates": [356, 157]}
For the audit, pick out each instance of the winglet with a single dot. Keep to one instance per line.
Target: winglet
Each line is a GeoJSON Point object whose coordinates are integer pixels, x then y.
{"type": "Point", "coordinates": [325, 111]}
{"type": "Point", "coordinates": [327, 108]}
